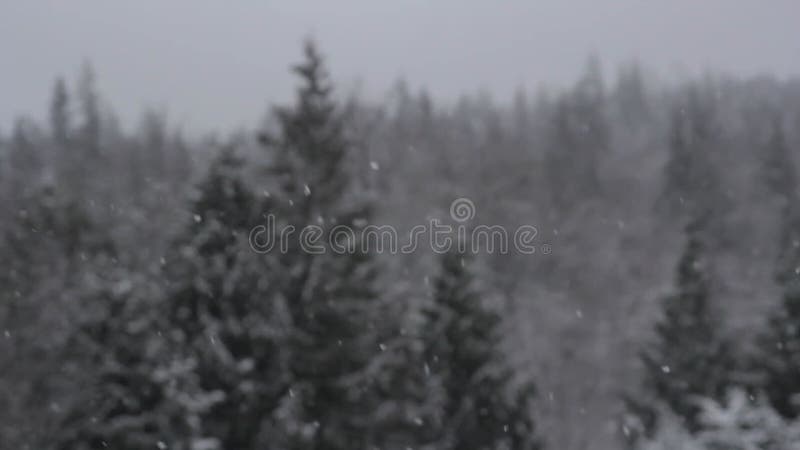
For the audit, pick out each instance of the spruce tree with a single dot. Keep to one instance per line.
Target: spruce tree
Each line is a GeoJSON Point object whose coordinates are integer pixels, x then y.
{"type": "Point", "coordinates": [60, 126]}
{"type": "Point", "coordinates": [690, 356]}
{"type": "Point", "coordinates": [195, 362]}
{"type": "Point", "coordinates": [778, 360]}
{"type": "Point", "coordinates": [409, 414]}
{"type": "Point", "coordinates": [480, 408]}
{"type": "Point", "coordinates": [779, 172]}
{"type": "Point", "coordinates": [692, 184]}
{"type": "Point", "coordinates": [113, 353]}
{"type": "Point", "coordinates": [53, 248]}
{"type": "Point", "coordinates": [330, 295]}
{"type": "Point", "coordinates": [579, 137]}
{"type": "Point", "coordinates": [24, 160]}
{"type": "Point", "coordinates": [89, 108]}
{"type": "Point", "coordinates": [224, 314]}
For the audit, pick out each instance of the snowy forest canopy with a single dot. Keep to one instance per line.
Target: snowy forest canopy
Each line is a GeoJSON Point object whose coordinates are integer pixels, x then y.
{"type": "Point", "coordinates": [134, 314]}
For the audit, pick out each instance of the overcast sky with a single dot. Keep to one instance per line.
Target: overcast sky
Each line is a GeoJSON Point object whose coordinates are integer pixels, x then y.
{"type": "Point", "coordinates": [215, 65]}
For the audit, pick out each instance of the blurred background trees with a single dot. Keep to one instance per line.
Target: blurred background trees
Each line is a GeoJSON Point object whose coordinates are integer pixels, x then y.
{"type": "Point", "coordinates": [134, 314]}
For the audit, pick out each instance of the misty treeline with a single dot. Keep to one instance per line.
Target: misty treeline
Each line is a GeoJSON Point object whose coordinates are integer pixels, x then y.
{"type": "Point", "coordinates": [134, 314]}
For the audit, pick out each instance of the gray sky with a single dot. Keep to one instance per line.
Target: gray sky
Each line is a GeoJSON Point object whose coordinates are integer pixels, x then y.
{"type": "Point", "coordinates": [214, 65]}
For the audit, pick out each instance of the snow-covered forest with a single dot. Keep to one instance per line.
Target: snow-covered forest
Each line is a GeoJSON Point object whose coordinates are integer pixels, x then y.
{"type": "Point", "coordinates": [134, 313]}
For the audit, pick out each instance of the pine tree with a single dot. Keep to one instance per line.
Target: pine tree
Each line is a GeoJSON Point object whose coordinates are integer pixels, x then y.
{"type": "Point", "coordinates": [739, 421]}
{"type": "Point", "coordinates": [410, 394]}
{"type": "Point", "coordinates": [747, 422]}
{"type": "Point", "coordinates": [89, 108]}
{"type": "Point", "coordinates": [154, 146]}
{"type": "Point", "coordinates": [480, 408]}
{"type": "Point", "coordinates": [195, 362]}
{"type": "Point", "coordinates": [25, 160]}
{"type": "Point", "coordinates": [692, 185]}
{"type": "Point", "coordinates": [779, 173]}
{"type": "Point", "coordinates": [223, 319]}
{"type": "Point", "coordinates": [180, 162]}
{"type": "Point", "coordinates": [579, 137]}
{"type": "Point", "coordinates": [51, 245]}
{"type": "Point", "coordinates": [60, 114]}
{"type": "Point", "coordinates": [330, 295]}
{"type": "Point", "coordinates": [690, 356]}
{"type": "Point", "coordinates": [631, 96]}
{"type": "Point", "coordinates": [779, 359]}
{"type": "Point", "coordinates": [119, 398]}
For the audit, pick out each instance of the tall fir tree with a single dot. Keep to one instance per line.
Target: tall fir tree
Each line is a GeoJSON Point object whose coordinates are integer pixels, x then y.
{"type": "Point", "coordinates": [579, 137]}
{"type": "Point", "coordinates": [692, 183]}
{"type": "Point", "coordinates": [778, 167]}
{"type": "Point", "coordinates": [223, 317]}
{"type": "Point", "coordinates": [778, 360]}
{"type": "Point", "coordinates": [691, 356]}
{"type": "Point", "coordinates": [113, 356]}
{"type": "Point", "coordinates": [330, 295]}
{"type": "Point", "coordinates": [52, 246]}
{"type": "Point", "coordinates": [70, 166]}
{"type": "Point", "coordinates": [481, 407]}
{"type": "Point", "coordinates": [154, 146]}
{"type": "Point", "coordinates": [189, 356]}
{"type": "Point", "coordinates": [89, 109]}
{"type": "Point", "coordinates": [410, 394]}
{"type": "Point", "coordinates": [60, 126]}
{"type": "Point", "coordinates": [631, 96]}
{"type": "Point", "coordinates": [25, 160]}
